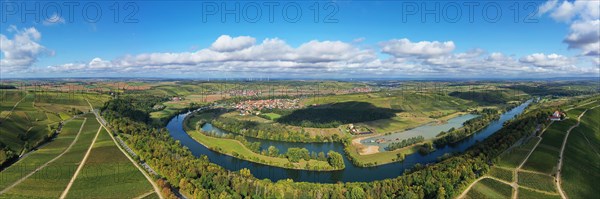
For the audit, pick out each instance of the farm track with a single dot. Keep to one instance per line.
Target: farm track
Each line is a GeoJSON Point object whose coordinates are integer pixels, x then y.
{"type": "Point", "coordinates": [46, 164]}
{"type": "Point", "coordinates": [562, 150]}
{"type": "Point", "coordinates": [102, 124]}
{"type": "Point", "coordinates": [81, 164]}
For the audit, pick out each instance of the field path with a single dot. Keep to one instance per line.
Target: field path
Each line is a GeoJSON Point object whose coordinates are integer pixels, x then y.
{"type": "Point", "coordinates": [562, 150]}
{"type": "Point", "coordinates": [81, 164]}
{"type": "Point", "coordinates": [102, 122]}
{"type": "Point", "coordinates": [514, 184]}
{"type": "Point", "coordinates": [15, 106]}
{"type": "Point", "coordinates": [145, 194]}
{"type": "Point", "coordinates": [46, 164]}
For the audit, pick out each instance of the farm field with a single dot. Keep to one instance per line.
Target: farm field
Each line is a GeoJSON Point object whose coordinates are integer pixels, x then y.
{"type": "Point", "coordinates": [537, 181]}
{"type": "Point", "coordinates": [543, 159]}
{"type": "Point", "coordinates": [42, 155]}
{"type": "Point", "coordinates": [107, 173]}
{"type": "Point", "coordinates": [501, 173]}
{"type": "Point", "coordinates": [515, 157]}
{"type": "Point", "coordinates": [490, 188]}
{"type": "Point", "coordinates": [38, 115]}
{"type": "Point", "coordinates": [525, 193]}
{"type": "Point", "coordinates": [581, 162]}
{"type": "Point", "coordinates": [52, 179]}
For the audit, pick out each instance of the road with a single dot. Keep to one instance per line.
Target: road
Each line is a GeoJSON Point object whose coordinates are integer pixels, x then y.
{"type": "Point", "coordinates": [85, 157]}
{"type": "Point", "coordinates": [103, 124]}
{"type": "Point", "coordinates": [562, 150]}
{"type": "Point", "coordinates": [46, 164]}
{"type": "Point", "coordinates": [15, 106]}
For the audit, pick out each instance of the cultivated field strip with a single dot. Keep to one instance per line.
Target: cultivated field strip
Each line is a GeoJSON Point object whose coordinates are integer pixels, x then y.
{"type": "Point", "coordinates": [35, 159]}
{"type": "Point", "coordinates": [107, 173]}
{"type": "Point", "coordinates": [52, 180]}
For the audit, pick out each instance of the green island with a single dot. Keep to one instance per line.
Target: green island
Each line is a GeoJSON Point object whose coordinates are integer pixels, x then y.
{"type": "Point", "coordinates": [237, 147]}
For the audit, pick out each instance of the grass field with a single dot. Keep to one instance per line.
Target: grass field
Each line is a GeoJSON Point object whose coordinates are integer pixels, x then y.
{"type": "Point", "coordinates": [530, 194]}
{"type": "Point", "coordinates": [52, 180]}
{"type": "Point", "coordinates": [41, 156]}
{"type": "Point", "coordinates": [490, 188]}
{"type": "Point", "coordinates": [582, 162]}
{"type": "Point", "coordinates": [108, 174]}
{"type": "Point", "coordinates": [501, 173]}
{"type": "Point", "coordinates": [272, 116]}
{"type": "Point", "coordinates": [537, 181]}
{"type": "Point", "coordinates": [382, 157]}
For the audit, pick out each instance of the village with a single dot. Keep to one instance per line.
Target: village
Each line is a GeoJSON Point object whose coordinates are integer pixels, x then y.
{"type": "Point", "coordinates": [255, 106]}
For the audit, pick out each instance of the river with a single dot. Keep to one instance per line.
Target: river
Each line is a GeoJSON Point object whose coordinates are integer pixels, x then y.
{"type": "Point", "coordinates": [350, 174]}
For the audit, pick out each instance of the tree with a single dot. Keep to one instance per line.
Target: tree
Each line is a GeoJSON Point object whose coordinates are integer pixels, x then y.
{"type": "Point", "coordinates": [273, 151]}
{"type": "Point", "coordinates": [336, 160]}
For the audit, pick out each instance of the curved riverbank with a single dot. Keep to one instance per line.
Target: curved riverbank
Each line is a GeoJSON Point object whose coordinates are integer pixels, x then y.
{"type": "Point", "coordinates": [351, 173]}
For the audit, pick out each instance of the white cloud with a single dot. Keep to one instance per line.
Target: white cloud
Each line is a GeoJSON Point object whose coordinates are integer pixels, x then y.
{"type": "Point", "coordinates": [226, 44]}
{"type": "Point", "coordinates": [404, 47]}
{"type": "Point", "coordinates": [547, 61]}
{"type": "Point", "coordinates": [329, 59]}
{"type": "Point", "coordinates": [22, 51]}
{"type": "Point", "coordinates": [585, 35]}
{"type": "Point", "coordinates": [584, 19]}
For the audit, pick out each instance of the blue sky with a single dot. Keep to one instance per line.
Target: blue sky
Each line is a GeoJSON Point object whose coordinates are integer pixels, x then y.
{"type": "Point", "coordinates": [361, 38]}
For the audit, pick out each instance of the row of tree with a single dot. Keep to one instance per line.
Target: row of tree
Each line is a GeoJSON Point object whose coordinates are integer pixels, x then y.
{"type": "Point", "coordinates": [404, 143]}
{"type": "Point", "coordinates": [469, 127]}
{"type": "Point", "coordinates": [268, 131]}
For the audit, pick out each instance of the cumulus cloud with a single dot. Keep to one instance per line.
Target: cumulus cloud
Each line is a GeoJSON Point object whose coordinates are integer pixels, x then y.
{"type": "Point", "coordinates": [404, 47]}
{"type": "Point", "coordinates": [225, 43]}
{"type": "Point", "coordinates": [585, 35]}
{"type": "Point", "coordinates": [547, 61]}
{"type": "Point", "coordinates": [584, 19]}
{"type": "Point", "coordinates": [329, 59]}
{"type": "Point", "coordinates": [241, 54]}
{"type": "Point", "coordinates": [22, 51]}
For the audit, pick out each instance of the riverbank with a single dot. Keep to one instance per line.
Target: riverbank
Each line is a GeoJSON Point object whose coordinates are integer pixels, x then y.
{"type": "Point", "coordinates": [237, 149]}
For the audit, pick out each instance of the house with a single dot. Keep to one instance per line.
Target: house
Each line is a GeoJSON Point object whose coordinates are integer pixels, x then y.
{"type": "Point", "coordinates": [556, 116]}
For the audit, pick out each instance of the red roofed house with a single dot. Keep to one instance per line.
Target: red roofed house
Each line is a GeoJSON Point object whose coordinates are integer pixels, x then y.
{"type": "Point", "coordinates": [556, 116]}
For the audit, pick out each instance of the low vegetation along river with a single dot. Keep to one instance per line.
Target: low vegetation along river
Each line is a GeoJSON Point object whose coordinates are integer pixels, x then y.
{"type": "Point", "coordinates": [350, 174]}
